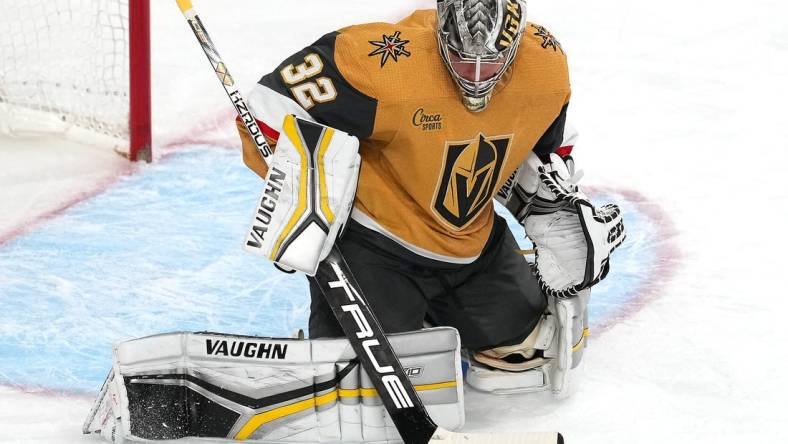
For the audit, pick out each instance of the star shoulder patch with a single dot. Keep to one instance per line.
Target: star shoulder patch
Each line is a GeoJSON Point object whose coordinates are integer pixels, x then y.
{"type": "Point", "coordinates": [390, 48]}
{"type": "Point", "coordinates": [549, 39]}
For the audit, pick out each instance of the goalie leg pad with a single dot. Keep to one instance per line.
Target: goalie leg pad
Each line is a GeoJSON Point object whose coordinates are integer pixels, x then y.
{"type": "Point", "coordinates": [271, 390]}
{"type": "Point", "coordinates": [520, 368]}
{"type": "Point", "coordinates": [570, 344]}
{"type": "Point", "coordinates": [544, 360]}
{"type": "Point", "coordinates": [310, 189]}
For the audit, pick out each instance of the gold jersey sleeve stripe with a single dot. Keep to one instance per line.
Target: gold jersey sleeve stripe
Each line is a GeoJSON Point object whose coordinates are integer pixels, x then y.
{"type": "Point", "coordinates": [327, 137]}
{"type": "Point", "coordinates": [291, 132]}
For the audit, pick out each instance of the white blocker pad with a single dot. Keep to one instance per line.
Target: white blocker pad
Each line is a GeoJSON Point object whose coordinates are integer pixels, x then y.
{"type": "Point", "coordinates": [223, 387]}
{"type": "Point", "coordinates": [309, 192]}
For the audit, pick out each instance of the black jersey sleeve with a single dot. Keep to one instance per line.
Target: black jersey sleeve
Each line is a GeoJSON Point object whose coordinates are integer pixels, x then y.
{"type": "Point", "coordinates": [315, 81]}
{"type": "Point", "coordinates": [553, 138]}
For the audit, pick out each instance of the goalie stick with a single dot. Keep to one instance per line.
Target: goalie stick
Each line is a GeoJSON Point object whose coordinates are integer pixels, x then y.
{"type": "Point", "coordinates": [354, 315]}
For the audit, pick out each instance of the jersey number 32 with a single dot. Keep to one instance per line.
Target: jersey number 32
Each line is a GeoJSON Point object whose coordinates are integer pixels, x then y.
{"type": "Point", "coordinates": [308, 94]}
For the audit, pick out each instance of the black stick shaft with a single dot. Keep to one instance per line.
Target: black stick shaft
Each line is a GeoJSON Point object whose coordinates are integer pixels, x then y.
{"type": "Point", "coordinates": [373, 349]}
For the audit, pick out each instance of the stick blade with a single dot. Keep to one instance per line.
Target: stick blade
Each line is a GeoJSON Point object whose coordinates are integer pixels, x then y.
{"type": "Point", "coordinates": [442, 436]}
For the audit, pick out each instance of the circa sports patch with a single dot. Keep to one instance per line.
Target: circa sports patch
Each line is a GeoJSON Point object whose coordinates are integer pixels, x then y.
{"type": "Point", "coordinates": [391, 47]}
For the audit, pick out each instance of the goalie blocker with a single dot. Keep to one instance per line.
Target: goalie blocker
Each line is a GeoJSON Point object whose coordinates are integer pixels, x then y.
{"type": "Point", "coordinates": [273, 390]}
{"type": "Point", "coordinates": [309, 193]}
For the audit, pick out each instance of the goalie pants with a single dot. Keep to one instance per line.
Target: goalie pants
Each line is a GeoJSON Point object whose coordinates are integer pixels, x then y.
{"type": "Point", "coordinates": [494, 301]}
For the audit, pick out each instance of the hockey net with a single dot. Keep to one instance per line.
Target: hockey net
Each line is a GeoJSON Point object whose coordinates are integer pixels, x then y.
{"type": "Point", "coordinates": [77, 68]}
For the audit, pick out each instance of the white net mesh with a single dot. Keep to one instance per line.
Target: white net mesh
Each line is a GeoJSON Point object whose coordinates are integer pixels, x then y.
{"type": "Point", "coordinates": [64, 64]}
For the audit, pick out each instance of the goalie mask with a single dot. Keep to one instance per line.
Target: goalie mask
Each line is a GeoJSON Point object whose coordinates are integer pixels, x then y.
{"type": "Point", "coordinates": [478, 41]}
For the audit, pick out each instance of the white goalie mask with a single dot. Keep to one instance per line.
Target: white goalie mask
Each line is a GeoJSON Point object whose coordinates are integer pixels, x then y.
{"type": "Point", "coordinates": [478, 41]}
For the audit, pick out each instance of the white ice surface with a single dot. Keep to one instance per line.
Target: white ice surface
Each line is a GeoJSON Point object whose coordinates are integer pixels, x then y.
{"type": "Point", "coordinates": [39, 176]}
{"type": "Point", "coordinates": [681, 101]}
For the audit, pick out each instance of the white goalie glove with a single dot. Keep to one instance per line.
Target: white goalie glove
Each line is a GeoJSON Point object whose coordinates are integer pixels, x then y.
{"type": "Point", "coordinates": [573, 239]}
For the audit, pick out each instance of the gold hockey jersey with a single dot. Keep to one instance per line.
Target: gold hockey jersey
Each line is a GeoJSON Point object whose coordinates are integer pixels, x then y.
{"type": "Point", "coordinates": [430, 168]}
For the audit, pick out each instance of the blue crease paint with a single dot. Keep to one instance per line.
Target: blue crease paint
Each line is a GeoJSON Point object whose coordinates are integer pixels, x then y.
{"type": "Point", "coordinates": [161, 251]}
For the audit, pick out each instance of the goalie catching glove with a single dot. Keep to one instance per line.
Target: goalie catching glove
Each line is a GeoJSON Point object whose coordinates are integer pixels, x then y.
{"type": "Point", "coordinates": [573, 239]}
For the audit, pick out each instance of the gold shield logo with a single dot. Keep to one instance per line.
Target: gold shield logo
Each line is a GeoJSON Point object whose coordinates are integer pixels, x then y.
{"type": "Point", "coordinates": [470, 173]}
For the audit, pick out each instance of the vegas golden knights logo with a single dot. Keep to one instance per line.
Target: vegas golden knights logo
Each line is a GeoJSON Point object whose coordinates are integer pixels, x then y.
{"type": "Point", "coordinates": [470, 174]}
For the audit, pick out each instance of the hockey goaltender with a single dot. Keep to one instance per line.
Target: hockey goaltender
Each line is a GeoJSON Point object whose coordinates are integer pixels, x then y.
{"type": "Point", "coordinates": [418, 127]}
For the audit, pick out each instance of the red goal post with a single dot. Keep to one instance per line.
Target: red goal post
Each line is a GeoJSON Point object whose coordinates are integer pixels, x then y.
{"type": "Point", "coordinates": [80, 69]}
{"type": "Point", "coordinates": [140, 81]}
